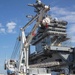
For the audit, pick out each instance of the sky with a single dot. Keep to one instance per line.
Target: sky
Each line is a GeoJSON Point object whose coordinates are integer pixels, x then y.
{"type": "Point", "coordinates": [13, 17]}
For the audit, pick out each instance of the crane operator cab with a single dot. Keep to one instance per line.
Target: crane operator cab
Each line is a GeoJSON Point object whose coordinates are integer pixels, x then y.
{"type": "Point", "coordinates": [10, 65]}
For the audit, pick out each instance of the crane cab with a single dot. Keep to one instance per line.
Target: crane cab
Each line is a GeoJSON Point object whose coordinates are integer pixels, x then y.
{"type": "Point", "coordinates": [10, 65]}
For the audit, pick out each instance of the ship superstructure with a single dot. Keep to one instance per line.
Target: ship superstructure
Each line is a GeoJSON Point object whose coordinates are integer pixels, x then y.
{"type": "Point", "coordinates": [51, 56]}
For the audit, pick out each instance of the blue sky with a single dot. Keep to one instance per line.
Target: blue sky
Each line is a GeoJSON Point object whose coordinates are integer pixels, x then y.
{"type": "Point", "coordinates": [12, 18]}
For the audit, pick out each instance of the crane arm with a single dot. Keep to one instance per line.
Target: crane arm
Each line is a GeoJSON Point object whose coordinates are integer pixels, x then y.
{"type": "Point", "coordinates": [30, 22]}
{"type": "Point", "coordinates": [40, 17]}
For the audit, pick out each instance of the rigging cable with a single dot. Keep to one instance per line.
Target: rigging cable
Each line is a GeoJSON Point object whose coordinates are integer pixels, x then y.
{"type": "Point", "coordinates": [16, 48]}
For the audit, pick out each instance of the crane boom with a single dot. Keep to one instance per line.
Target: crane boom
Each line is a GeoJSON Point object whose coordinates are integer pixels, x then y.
{"type": "Point", "coordinates": [31, 21]}
{"type": "Point", "coordinates": [39, 17]}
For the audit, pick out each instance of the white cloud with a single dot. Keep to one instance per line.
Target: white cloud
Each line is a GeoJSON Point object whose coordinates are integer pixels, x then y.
{"type": "Point", "coordinates": [67, 15]}
{"type": "Point", "coordinates": [71, 29]}
{"type": "Point", "coordinates": [71, 33]}
{"type": "Point", "coordinates": [2, 30]}
{"type": "Point", "coordinates": [73, 39]}
{"type": "Point", "coordinates": [61, 11]}
{"type": "Point", "coordinates": [58, 11]}
{"type": "Point", "coordinates": [11, 26]}
{"type": "Point", "coordinates": [64, 14]}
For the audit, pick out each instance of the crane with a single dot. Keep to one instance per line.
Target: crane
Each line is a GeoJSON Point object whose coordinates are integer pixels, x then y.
{"type": "Point", "coordinates": [26, 41]}
{"type": "Point", "coordinates": [41, 10]}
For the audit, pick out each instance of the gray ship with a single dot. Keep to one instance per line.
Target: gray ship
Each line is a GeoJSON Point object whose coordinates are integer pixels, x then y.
{"type": "Point", "coordinates": [51, 56]}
